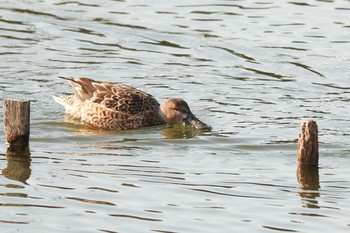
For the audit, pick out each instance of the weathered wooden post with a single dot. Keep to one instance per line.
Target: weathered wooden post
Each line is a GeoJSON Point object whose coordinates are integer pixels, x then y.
{"type": "Point", "coordinates": [307, 172]}
{"type": "Point", "coordinates": [308, 143]}
{"type": "Point", "coordinates": [17, 123]}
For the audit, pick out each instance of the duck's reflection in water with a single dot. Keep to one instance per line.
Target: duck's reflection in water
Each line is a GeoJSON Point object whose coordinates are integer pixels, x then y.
{"type": "Point", "coordinates": [179, 132]}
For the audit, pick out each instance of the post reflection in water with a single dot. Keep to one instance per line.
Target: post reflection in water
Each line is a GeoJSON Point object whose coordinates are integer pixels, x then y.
{"type": "Point", "coordinates": [18, 164]}
{"type": "Point", "coordinates": [308, 177]}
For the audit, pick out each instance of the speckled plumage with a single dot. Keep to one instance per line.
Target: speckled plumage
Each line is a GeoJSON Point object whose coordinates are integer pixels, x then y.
{"type": "Point", "coordinates": [110, 106]}
{"type": "Point", "coordinates": [116, 106]}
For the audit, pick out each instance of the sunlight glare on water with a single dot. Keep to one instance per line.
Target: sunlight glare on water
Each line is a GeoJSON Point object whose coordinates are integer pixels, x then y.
{"type": "Point", "coordinates": [253, 70]}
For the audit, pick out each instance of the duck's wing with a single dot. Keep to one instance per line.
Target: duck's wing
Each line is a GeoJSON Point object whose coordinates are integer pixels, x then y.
{"type": "Point", "coordinates": [123, 98]}
{"type": "Point", "coordinates": [114, 96]}
{"type": "Point", "coordinates": [84, 88]}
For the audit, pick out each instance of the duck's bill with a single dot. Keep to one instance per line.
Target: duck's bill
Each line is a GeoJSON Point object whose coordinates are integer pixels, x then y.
{"type": "Point", "coordinates": [195, 122]}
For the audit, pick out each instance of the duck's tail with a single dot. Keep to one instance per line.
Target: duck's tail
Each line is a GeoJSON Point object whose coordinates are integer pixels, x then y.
{"type": "Point", "coordinates": [60, 99]}
{"type": "Point", "coordinates": [83, 87]}
{"type": "Point", "coordinates": [66, 101]}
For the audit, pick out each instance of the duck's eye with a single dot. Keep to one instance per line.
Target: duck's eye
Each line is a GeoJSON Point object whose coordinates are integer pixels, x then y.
{"type": "Point", "coordinates": [182, 111]}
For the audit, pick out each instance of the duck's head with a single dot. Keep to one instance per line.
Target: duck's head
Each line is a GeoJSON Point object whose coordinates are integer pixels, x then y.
{"type": "Point", "coordinates": [177, 110]}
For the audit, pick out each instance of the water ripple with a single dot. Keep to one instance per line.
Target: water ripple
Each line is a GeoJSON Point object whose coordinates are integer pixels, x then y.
{"type": "Point", "coordinates": [90, 201]}
{"type": "Point", "coordinates": [33, 12]}
{"type": "Point", "coordinates": [31, 205]}
{"type": "Point", "coordinates": [135, 217]}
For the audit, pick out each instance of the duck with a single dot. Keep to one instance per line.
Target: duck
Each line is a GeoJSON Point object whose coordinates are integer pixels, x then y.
{"type": "Point", "coordinates": [115, 106]}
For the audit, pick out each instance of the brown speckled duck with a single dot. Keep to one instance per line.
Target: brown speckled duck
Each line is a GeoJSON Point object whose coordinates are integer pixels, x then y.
{"type": "Point", "coordinates": [116, 106]}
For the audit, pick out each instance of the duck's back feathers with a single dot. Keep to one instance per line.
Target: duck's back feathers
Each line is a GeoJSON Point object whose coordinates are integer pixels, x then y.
{"type": "Point", "coordinates": [110, 105]}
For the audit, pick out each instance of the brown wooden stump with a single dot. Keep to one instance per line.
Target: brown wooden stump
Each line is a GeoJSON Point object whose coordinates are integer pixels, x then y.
{"type": "Point", "coordinates": [307, 173]}
{"type": "Point", "coordinates": [17, 123]}
{"type": "Point", "coordinates": [308, 143]}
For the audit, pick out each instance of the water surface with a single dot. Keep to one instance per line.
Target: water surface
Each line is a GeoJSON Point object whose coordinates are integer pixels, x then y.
{"type": "Point", "coordinates": [253, 70]}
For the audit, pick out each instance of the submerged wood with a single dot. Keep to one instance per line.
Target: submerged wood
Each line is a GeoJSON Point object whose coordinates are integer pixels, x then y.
{"type": "Point", "coordinates": [308, 143]}
{"type": "Point", "coordinates": [17, 123]}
